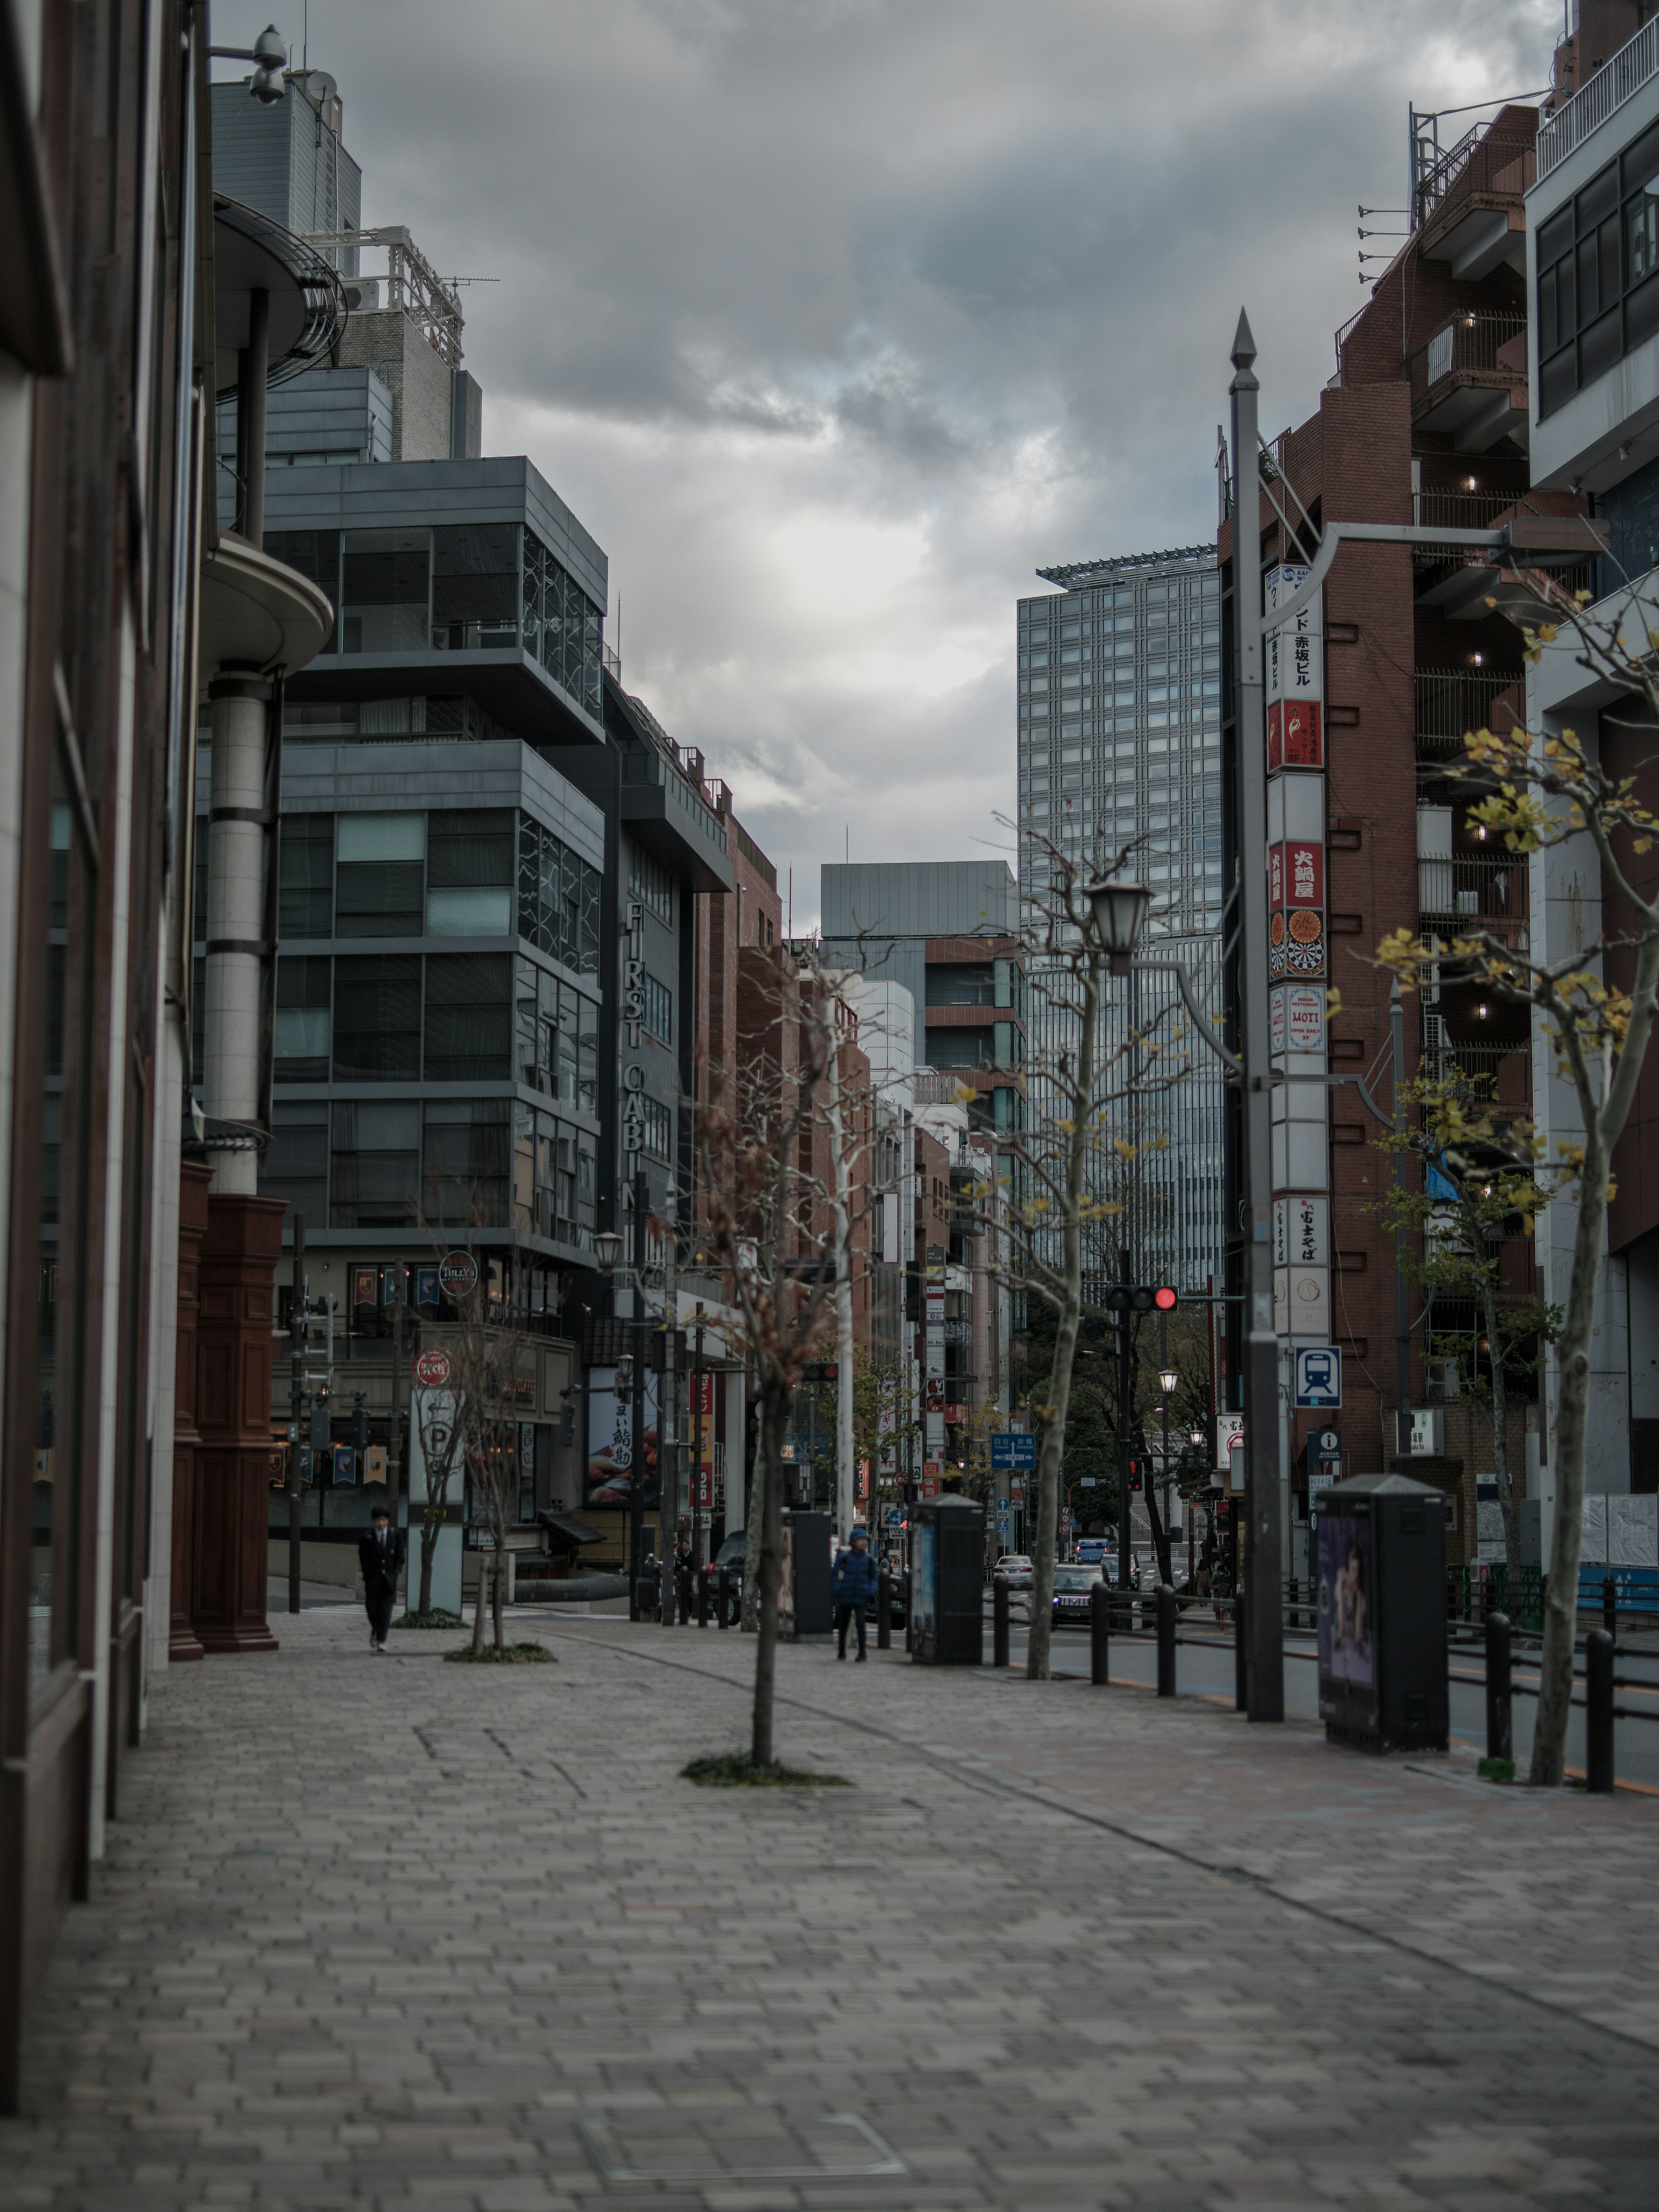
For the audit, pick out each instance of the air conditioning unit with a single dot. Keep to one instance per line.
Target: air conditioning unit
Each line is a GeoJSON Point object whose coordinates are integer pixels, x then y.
{"type": "Point", "coordinates": [1442, 1382]}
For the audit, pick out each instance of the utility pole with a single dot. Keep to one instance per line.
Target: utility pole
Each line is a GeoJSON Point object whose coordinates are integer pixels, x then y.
{"type": "Point", "coordinates": [1402, 1311]}
{"type": "Point", "coordinates": [640, 1353]}
{"type": "Point", "coordinates": [297, 1334]}
{"type": "Point", "coordinates": [1126, 1415]}
{"type": "Point", "coordinates": [668, 1411]}
{"type": "Point", "coordinates": [697, 1560]}
{"type": "Point", "coordinates": [394, 1442]}
{"type": "Point", "coordinates": [843, 1175]}
{"type": "Point", "coordinates": [1265, 1654]}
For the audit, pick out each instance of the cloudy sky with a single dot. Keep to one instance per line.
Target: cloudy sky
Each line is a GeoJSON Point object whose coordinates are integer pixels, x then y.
{"type": "Point", "coordinates": [833, 319]}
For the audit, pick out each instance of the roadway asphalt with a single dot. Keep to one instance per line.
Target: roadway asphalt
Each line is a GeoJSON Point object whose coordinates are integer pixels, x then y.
{"type": "Point", "coordinates": [1204, 1668]}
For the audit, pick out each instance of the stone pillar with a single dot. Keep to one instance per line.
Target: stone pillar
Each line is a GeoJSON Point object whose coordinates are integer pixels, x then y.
{"type": "Point", "coordinates": [233, 1005]}
{"type": "Point", "coordinates": [236, 1457]}
{"type": "Point", "coordinates": [194, 1179]}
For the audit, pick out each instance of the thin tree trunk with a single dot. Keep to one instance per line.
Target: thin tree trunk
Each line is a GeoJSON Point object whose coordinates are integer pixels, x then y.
{"type": "Point", "coordinates": [1081, 1105]}
{"type": "Point", "coordinates": [774, 1412]}
{"type": "Point", "coordinates": [1549, 1743]}
{"type": "Point", "coordinates": [1160, 1533]}
{"type": "Point", "coordinates": [480, 1601]}
{"type": "Point", "coordinates": [1509, 1504]}
{"type": "Point", "coordinates": [754, 1514]}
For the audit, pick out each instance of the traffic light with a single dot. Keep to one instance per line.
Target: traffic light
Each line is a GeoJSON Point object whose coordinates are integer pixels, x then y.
{"type": "Point", "coordinates": [360, 1427]}
{"type": "Point", "coordinates": [821, 1371]}
{"type": "Point", "coordinates": [1142, 1298]}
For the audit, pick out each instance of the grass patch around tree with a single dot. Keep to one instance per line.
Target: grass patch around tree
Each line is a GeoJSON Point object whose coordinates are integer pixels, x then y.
{"type": "Point", "coordinates": [439, 1617]}
{"type": "Point", "coordinates": [509, 1654]}
{"type": "Point", "coordinates": [735, 1770]}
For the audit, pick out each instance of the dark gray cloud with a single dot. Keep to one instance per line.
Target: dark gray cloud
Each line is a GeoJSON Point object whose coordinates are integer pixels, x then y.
{"type": "Point", "coordinates": [834, 318]}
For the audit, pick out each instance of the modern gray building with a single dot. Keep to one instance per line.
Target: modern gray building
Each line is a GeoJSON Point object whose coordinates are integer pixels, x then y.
{"type": "Point", "coordinates": [289, 160]}
{"type": "Point", "coordinates": [1120, 740]}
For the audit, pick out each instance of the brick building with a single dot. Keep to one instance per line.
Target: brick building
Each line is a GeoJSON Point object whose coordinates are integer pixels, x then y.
{"type": "Point", "coordinates": [1424, 424]}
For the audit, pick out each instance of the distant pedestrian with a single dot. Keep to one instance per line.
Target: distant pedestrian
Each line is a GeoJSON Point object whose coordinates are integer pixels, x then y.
{"type": "Point", "coordinates": [380, 1555]}
{"type": "Point", "coordinates": [685, 1570]}
{"type": "Point", "coordinates": [853, 1578]}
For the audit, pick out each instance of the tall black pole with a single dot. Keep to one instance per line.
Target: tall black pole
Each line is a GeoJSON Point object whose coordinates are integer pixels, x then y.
{"type": "Point", "coordinates": [637, 1339]}
{"type": "Point", "coordinates": [697, 1449]}
{"type": "Point", "coordinates": [1402, 1311]}
{"type": "Point", "coordinates": [1126, 1415]}
{"type": "Point", "coordinates": [296, 1383]}
{"type": "Point", "coordinates": [1265, 1654]}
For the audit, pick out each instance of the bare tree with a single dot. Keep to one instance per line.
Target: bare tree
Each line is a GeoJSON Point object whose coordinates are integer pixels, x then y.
{"type": "Point", "coordinates": [781, 1240]}
{"type": "Point", "coordinates": [1060, 1170]}
{"type": "Point", "coordinates": [493, 1354]}
{"type": "Point", "coordinates": [1540, 792]}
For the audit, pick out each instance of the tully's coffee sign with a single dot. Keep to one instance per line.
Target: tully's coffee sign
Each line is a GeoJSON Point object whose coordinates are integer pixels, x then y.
{"type": "Point", "coordinates": [457, 1274]}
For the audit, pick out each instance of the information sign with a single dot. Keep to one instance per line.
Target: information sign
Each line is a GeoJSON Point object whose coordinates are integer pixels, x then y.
{"type": "Point", "coordinates": [1318, 1377]}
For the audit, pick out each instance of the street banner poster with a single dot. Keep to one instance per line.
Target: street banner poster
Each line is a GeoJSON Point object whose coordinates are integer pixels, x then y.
{"type": "Point", "coordinates": [610, 1472]}
{"type": "Point", "coordinates": [365, 1286]}
{"type": "Point", "coordinates": [1296, 902]}
{"type": "Point", "coordinates": [1301, 1236]}
{"type": "Point", "coordinates": [1344, 1597]}
{"type": "Point", "coordinates": [703, 1447]}
{"type": "Point", "coordinates": [1297, 1018]}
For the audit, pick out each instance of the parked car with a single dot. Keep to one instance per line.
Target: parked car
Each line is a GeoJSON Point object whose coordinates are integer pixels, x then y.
{"type": "Point", "coordinates": [1109, 1569]}
{"type": "Point", "coordinates": [1073, 1584]}
{"type": "Point", "coordinates": [1017, 1568]}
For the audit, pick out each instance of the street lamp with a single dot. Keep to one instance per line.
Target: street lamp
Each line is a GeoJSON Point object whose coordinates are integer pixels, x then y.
{"type": "Point", "coordinates": [1120, 910]}
{"type": "Point", "coordinates": [1169, 1380]}
{"type": "Point", "coordinates": [607, 1251]}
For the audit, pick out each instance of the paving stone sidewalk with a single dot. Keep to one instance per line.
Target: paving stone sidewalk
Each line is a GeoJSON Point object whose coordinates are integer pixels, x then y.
{"type": "Point", "coordinates": [390, 1933]}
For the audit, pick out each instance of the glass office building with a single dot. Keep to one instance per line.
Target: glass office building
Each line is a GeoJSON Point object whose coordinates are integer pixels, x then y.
{"type": "Point", "coordinates": [1120, 739]}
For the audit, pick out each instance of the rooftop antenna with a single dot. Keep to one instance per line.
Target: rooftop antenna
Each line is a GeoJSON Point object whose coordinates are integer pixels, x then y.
{"type": "Point", "coordinates": [790, 931]}
{"type": "Point", "coordinates": [305, 40]}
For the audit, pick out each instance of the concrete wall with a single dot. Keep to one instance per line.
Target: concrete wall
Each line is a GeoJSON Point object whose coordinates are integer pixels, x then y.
{"type": "Point", "coordinates": [392, 344]}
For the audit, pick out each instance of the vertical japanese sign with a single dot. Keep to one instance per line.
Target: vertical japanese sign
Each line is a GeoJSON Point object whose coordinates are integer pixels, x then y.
{"type": "Point", "coordinates": [702, 1452]}
{"type": "Point", "coordinates": [1295, 675]}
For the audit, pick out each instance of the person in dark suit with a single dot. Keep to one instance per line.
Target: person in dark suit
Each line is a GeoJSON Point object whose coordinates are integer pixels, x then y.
{"type": "Point", "coordinates": [380, 1555]}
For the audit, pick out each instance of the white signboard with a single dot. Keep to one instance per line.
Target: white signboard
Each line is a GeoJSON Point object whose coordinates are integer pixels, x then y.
{"type": "Point", "coordinates": [1229, 1431]}
{"type": "Point", "coordinates": [1302, 1231]}
{"type": "Point", "coordinates": [1296, 1014]}
{"type": "Point", "coordinates": [1302, 1302]}
{"type": "Point", "coordinates": [1295, 661]}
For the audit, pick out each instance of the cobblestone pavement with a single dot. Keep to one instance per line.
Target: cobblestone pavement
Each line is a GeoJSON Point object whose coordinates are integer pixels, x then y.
{"type": "Point", "coordinates": [383, 1933]}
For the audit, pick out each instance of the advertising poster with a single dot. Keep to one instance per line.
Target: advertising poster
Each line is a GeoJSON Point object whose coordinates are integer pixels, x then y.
{"type": "Point", "coordinates": [921, 1575]}
{"type": "Point", "coordinates": [610, 1472]}
{"type": "Point", "coordinates": [1345, 1596]}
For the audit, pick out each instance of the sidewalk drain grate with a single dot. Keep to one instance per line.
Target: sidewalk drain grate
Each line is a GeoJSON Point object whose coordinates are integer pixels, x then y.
{"type": "Point", "coordinates": [760, 2148]}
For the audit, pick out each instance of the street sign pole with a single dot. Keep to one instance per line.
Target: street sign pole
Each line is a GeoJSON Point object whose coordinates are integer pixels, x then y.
{"type": "Point", "coordinates": [296, 1383]}
{"type": "Point", "coordinates": [1265, 1651]}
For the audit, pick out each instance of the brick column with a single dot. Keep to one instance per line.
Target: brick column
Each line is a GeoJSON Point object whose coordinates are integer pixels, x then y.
{"type": "Point", "coordinates": [195, 1181]}
{"type": "Point", "coordinates": [235, 1457]}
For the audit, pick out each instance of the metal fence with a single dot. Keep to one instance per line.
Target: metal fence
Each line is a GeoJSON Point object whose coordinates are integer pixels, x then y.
{"type": "Point", "coordinates": [1477, 163]}
{"type": "Point", "coordinates": [1452, 703]}
{"type": "Point", "coordinates": [1467, 345]}
{"type": "Point", "coordinates": [1559, 134]}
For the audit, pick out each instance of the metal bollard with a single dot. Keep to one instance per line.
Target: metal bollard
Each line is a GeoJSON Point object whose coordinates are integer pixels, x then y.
{"type": "Point", "coordinates": [1241, 1628]}
{"type": "Point", "coordinates": [1500, 1713]}
{"type": "Point", "coordinates": [702, 1597]}
{"type": "Point", "coordinates": [999, 1621]}
{"type": "Point", "coordinates": [910, 1616]}
{"type": "Point", "coordinates": [723, 1598]}
{"type": "Point", "coordinates": [665, 1594]}
{"type": "Point", "coordinates": [1598, 1713]}
{"type": "Point", "coordinates": [1166, 1641]}
{"type": "Point", "coordinates": [884, 1610]}
{"type": "Point", "coordinates": [1294, 1617]}
{"type": "Point", "coordinates": [1610, 1605]}
{"type": "Point", "coordinates": [1100, 1633]}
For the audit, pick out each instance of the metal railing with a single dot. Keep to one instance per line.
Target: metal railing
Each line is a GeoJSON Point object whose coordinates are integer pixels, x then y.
{"type": "Point", "coordinates": [1617, 80]}
{"type": "Point", "coordinates": [1477, 163]}
{"type": "Point", "coordinates": [1452, 703]}
{"type": "Point", "coordinates": [1466, 346]}
{"type": "Point", "coordinates": [1498, 1074]}
{"type": "Point", "coordinates": [1441, 509]}
{"type": "Point", "coordinates": [1476, 890]}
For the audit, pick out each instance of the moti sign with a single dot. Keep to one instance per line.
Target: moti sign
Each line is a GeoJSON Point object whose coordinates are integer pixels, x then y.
{"type": "Point", "coordinates": [457, 1274]}
{"type": "Point", "coordinates": [433, 1369]}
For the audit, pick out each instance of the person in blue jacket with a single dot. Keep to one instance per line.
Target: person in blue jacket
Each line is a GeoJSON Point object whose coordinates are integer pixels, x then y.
{"type": "Point", "coordinates": [853, 1579]}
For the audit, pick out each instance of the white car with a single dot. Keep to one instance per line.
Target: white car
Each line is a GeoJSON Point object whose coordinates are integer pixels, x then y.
{"type": "Point", "coordinates": [1018, 1569]}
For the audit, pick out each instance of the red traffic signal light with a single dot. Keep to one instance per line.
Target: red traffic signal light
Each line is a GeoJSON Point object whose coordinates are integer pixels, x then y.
{"type": "Point", "coordinates": [1165, 1299]}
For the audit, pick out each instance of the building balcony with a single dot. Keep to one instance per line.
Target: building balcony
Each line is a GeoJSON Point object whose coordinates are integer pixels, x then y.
{"type": "Point", "coordinates": [1633, 66]}
{"type": "Point", "coordinates": [1452, 703]}
{"type": "Point", "coordinates": [1466, 892]}
{"type": "Point", "coordinates": [1498, 1075]}
{"type": "Point", "coordinates": [1469, 382]}
{"type": "Point", "coordinates": [1469, 209]}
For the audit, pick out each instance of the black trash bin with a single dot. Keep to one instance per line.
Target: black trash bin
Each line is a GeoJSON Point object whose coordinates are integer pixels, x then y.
{"type": "Point", "coordinates": [810, 1559]}
{"type": "Point", "coordinates": [1380, 1570]}
{"type": "Point", "coordinates": [947, 1582]}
